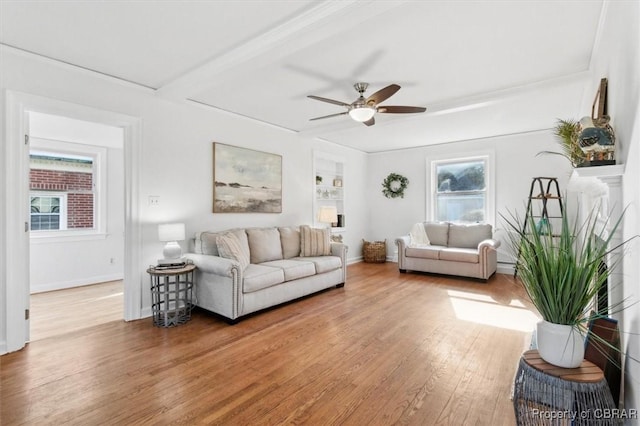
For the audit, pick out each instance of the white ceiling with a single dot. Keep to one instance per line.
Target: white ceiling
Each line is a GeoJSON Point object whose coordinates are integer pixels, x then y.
{"type": "Point", "coordinates": [481, 68]}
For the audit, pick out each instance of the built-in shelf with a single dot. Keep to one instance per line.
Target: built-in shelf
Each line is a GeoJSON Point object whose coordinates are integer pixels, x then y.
{"type": "Point", "coordinates": [329, 188]}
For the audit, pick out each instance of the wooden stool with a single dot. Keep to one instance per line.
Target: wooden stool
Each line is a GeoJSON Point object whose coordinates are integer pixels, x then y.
{"type": "Point", "coordinates": [548, 395]}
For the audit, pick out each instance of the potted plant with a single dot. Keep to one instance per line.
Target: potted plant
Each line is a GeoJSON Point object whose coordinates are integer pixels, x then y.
{"type": "Point", "coordinates": [567, 133]}
{"type": "Point", "coordinates": [560, 271]}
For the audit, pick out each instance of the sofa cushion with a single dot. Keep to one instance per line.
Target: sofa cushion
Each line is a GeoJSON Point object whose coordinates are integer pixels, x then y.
{"type": "Point", "coordinates": [257, 277]}
{"type": "Point", "coordinates": [468, 236]}
{"type": "Point", "coordinates": [426, 252]}
{"type": "Point", "coordinates": [290, 240]}
{"type": "Point", "coordinates": [205, 243]}
{"type": "Point", "coordinates": [264, 244]}
{"type": "Point", "coordinates": [323, 263]}
{"type": "Point", "coordinates": [437, 232]}
{"type": "Point", "coordinates": [459, 255]}
{"type": "Point", "coordinates": [232, 246]}
{"type": "Point", "coordinates": [293, 269]}
{"type": "Point", "coordinates": [315, 241]}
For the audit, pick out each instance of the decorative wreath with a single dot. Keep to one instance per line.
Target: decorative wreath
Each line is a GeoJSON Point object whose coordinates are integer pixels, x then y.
{"type": "Point", "coordinates": [394, 185]}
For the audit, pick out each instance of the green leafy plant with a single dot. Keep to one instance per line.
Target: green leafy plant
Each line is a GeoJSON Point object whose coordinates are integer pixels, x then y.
{"type": "Point", "coordinates": [561, 272]}
{"type": "Point", "coordinates": [567, 133]}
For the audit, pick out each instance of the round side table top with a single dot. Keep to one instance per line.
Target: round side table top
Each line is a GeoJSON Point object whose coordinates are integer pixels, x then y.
{"type": "Point", "coordinates": [171, 271]}
{"type": "Point", "coordinates": [587, 372]}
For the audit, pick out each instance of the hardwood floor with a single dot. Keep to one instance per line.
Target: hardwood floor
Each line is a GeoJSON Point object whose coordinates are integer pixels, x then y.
{"type": "Point", "coordinates": [388, 348]}
{"type": "Point", "coordinates": [59, 312]}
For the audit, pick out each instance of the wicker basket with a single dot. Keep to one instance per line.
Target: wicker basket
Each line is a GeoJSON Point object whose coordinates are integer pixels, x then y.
{"type": "Point", "coordinates": [374, 251]}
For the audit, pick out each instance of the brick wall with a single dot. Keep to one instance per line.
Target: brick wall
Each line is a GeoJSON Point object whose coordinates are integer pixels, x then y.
{"type": "Point", "coordinates": [78, 187]}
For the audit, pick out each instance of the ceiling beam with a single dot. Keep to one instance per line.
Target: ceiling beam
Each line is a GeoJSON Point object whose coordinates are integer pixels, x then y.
{"type": "Point", "coordinates": [307, 28]}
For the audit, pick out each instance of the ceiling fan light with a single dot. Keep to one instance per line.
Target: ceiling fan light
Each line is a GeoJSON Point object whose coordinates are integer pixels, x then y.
{"type": "Point", "coordinates": [362, 114]}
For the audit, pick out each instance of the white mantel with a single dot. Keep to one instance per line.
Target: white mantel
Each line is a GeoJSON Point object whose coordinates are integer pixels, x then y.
{"type": "Point", "coordinates": [601, 187]}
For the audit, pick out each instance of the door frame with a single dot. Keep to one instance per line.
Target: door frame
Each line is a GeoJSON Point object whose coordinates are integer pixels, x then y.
{"type": "Point", "coordinates": [16, 249]}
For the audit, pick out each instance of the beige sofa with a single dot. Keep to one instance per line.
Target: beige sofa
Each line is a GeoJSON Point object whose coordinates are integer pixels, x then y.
{"type": "Point", "coordinates": [245, 270]}
{"type": "Point", "coordinates": [452, 249]}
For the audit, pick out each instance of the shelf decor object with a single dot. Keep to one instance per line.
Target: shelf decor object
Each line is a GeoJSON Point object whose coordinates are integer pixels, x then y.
{"type": "Point", "coordinates": [394, 185]}
{"type": "Point", "coordinates": [246, 181]}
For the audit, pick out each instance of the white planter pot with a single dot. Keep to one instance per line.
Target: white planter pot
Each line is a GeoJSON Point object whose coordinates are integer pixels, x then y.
{"type": "Point", "coordinates": [560, 345]}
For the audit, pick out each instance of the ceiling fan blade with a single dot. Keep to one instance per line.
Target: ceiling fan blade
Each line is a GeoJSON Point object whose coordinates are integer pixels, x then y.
{"type": "Point", "coordinates": [329, 116]}
{"type": "Point", "coordinates": [382, 94]}
{"type": "Point", "coordinates": [331, 101]}
{"type": "Point", "coordinates": [370, 122]}
{"type": "Point", "coordinates": [400, 109]}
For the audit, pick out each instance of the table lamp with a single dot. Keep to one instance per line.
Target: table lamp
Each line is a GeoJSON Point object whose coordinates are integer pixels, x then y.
{"type": "Point", "coordinates": [328, 214]}
{"type": "Point", "coordinates": [171, 233]}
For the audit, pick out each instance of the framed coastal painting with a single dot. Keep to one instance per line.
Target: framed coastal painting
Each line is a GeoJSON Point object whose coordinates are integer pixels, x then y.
{"type": "Point", "coordinates": [246, 181]}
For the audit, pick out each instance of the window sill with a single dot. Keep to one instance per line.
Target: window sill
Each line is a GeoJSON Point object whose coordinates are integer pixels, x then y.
{"type": "Point", "coordinates": [45, 237]}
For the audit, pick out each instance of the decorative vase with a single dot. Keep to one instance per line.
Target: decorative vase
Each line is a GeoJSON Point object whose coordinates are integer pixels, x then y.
{"type": "Point", "coordinates": [560, 345]}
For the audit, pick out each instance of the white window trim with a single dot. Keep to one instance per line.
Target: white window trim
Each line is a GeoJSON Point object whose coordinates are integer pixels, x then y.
{"type": "Point", "coordinates": [99, 154]}
{"type": "Point", "coordinates": [432, 181]}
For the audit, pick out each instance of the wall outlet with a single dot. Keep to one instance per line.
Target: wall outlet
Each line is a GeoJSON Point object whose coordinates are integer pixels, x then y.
{"type": "Point", "coordinates": [112, 261]}
{"type": "Point", "coordinates": [154, 200]}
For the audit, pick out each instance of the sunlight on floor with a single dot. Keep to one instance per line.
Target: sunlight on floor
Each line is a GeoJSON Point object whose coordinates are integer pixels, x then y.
{"type": "Point", "coordinates": [483, 309]}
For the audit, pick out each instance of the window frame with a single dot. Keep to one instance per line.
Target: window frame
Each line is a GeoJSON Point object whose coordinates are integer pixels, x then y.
{"type": "Point", "coordinates": [99, 156]}
{"type": "Point", "coordinates": [488, 157]}
{"type": "Point", "coordinates": [63, 209]}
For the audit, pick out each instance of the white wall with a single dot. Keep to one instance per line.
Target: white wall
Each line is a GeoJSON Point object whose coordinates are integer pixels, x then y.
{"type": "Point", "coordinates": [176, 156]}
{"type": "Point", "coordinates": [617, 57]}
{"type": "Point", "coordinates": [516, 163]}
{"type": "Point", "coordinates": [57, 263]}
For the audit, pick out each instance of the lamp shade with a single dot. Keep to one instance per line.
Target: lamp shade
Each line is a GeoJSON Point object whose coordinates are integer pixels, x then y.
{"type": "Point", "coordinates": [171, 232]}
{"type": "Point", "coordinates": [328, 214]}
{"type": "Point", "coordinates": [362, 114]}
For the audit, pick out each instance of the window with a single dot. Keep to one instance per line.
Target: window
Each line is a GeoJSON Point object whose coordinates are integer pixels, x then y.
{"type": "Point", "coordinates": [461, 191]}
{"type": "Point", "coordinates": [65, 195]}
{"type": "Point", "coordinates": [48, 212]}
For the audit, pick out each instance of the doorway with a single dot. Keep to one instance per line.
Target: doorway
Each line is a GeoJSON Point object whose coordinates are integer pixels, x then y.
{"type": "Point", "coordinates": [16, 249]}
{"type": "Point", "coordinates": [76, 200]}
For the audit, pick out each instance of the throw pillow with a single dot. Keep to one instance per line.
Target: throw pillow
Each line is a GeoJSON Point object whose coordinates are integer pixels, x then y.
{"type": "Point", "coordinates": [418, 236]}
{"type": "Point", "coordinates": [315, 241]}
{"type": "Point", "coordinates": [264, 244]}
{"type": "Point", "coordinates": [230, 247]}
{"type": "Point", "coordinates": [290, 238]}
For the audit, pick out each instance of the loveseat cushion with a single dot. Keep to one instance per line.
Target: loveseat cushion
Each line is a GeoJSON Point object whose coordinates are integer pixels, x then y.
{"type": "Point", "coordinates": [257, 277]}
{"type": "Point", "coordinates": [233, 246]}
{"type": "Point", "coordinates": [290, 240]}
{"type": "Point", "coordinates": [437, 232]}
{"type": "Point", "coordinates": [424, 252]}
{"type": "Point", "coordinates": [293, 269]}
{"type": "Point", "coordinates": [459, 255]}
{"type": "Point", "coordinates": [468, 236]}
{"type": "Point", "coordinates": [315, 241]}
{"type": "Point", "coordinates": [323, 263]}
{"type": "Point", "coordinates": [264, 244]}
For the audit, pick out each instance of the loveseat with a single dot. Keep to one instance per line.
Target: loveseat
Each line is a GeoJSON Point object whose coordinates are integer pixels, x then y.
{"type": "Point", "coordinates": [245, 270]}
{"type": "Point", "coordinates": [449, 248]}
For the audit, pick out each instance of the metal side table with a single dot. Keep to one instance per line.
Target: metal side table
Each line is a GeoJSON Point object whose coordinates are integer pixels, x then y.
{"type": "Point", "coordinates": [171, 295]}
{"type": "Point", "coordinates": [548, 395]}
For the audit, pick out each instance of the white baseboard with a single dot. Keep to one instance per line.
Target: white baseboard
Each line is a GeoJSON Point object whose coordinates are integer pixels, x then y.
{"type": "Point", "coordinates": [41, 288]}
{"type": "Point", "coordinates": [506, 268]}
{"type": "Point", "coordinates": [3, 347]}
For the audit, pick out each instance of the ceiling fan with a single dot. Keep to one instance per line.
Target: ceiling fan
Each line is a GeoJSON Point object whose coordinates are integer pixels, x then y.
{"type": "Point", "coordinates": [363, 109]}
